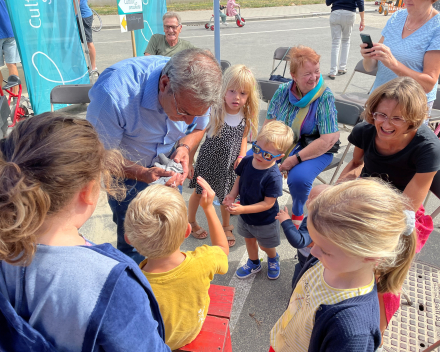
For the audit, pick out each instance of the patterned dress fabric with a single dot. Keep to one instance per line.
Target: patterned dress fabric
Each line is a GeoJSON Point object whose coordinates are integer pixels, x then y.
{"type": "Point", "coordinates": [215, 162]}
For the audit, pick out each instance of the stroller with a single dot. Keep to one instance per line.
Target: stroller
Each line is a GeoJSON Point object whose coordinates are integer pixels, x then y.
{"type": "Point", "coordinates": [240, 21]}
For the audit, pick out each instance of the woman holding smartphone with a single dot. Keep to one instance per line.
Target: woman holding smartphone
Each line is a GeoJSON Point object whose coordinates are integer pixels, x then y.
{"type": "Point", "coordinates": [409, 46]}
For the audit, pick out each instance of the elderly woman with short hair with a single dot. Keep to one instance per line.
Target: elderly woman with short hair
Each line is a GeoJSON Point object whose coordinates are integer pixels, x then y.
{"type": "Point", "coordinates": [308, 107]}
{"type": "Point", "coordinates": [394, 144]}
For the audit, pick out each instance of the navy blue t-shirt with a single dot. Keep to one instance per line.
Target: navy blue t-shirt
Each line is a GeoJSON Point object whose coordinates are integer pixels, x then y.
{"type": "Point", "coordinates": [256, 184]}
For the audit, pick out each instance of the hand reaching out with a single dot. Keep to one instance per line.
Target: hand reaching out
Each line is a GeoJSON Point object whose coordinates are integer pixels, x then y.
{"type": "Point", "coordinates": [235, 209]}
{"type": "Point", "coordinates": [229, 200]}
{"type": "Point", "coordinates": [208, 194]}
{"type": "Point", "coordinates": [283, 215]}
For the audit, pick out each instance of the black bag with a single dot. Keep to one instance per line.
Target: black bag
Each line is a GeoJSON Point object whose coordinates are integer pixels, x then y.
{"type": "Point", "coordinates": [280, 78]}
{"type": "Point", "coordinates": [306, 139]}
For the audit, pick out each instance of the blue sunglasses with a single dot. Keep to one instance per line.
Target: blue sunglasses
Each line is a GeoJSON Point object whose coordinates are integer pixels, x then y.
{"type": "Point", "coordinates": [265, 154]}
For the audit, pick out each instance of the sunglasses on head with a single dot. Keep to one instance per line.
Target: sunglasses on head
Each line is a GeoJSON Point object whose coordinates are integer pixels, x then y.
{"type": "Point", "coordinates": [265, 154]}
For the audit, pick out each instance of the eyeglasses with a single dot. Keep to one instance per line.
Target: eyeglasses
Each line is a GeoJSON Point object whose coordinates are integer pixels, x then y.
{"type": "Point", "coordinates": [179, 112]}
{"type": "Point", "coordinates": [174, 28]}
{"type": "Point", "coordinates": [396, 121]}
{"type": "Point", "coordinates": [265, 154]}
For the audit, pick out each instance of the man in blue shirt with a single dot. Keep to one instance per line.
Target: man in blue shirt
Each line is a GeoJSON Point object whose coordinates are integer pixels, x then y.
{"type": "Point", "coordinates": [143, 106]}
{"type": "Point", "coordinates": [8, 46]}
{"type": "Point", "coordinates": [87, 19]}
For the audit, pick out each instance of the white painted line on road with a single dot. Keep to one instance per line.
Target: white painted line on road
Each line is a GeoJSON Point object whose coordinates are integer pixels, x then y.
{"type": "Point", "coordinates": [242, 288]}
{"type": "Point", "coordinates": [228, 34]}
{"type": "Point", "coordinates": [241, 33]}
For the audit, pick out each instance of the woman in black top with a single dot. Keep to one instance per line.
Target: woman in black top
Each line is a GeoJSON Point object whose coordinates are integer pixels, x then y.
{"type": "Point", "coordinates": [394, 144]}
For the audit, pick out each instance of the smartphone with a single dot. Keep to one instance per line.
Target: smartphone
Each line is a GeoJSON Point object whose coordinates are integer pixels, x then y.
{"type": "Point", "coordinates": [367, 40]}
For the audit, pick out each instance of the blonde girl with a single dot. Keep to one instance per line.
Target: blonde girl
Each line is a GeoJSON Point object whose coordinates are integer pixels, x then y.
{"type": "Point", "coordinates": [225, 143]}
{"type": "Point", "coordinates": [361, 229]}
{"type": "Point", "coordinates": [55, 286]}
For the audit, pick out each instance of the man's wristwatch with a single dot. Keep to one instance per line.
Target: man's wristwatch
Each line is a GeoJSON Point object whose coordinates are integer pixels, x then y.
{"type": "Point", "coordinates": [299, 158]}
{"type": "Point", "coordinates": [184, 145]}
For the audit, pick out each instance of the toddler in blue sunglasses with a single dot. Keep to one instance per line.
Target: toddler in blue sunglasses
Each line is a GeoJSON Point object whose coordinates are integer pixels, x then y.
{"type": "Point", "coordinates": [259, 183]}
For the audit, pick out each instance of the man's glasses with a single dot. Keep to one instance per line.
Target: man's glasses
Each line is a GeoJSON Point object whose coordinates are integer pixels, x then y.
{"type": "Point", "coordinates": [396, 121]}
{"type": "Point", "coordinates": [179, 112]}
{"type": "Point", "coordinates": [174, 28]}
{"type": "Point", "coordinates": [266, 155]}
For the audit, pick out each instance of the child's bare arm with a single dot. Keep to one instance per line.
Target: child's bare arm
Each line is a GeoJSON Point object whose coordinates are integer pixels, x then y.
{"type": "Point", "coordinates": [259, 207]}
{"type": "Point", "coordinates": [216, 232]}
{"type": "Point", "coordinates": [242, 152]}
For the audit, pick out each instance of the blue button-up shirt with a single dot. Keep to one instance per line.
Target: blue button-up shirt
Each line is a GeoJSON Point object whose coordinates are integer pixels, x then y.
{"type": "Point", "coordinates": [126, 112]}
{"type": "Point", "coordinates": [5, 22]}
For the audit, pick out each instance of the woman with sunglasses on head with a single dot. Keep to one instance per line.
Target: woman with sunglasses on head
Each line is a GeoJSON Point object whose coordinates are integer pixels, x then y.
{"type": "Point", "coordinates": [308, 107]}
{"type": "Point", "coordinates": [394, 144]}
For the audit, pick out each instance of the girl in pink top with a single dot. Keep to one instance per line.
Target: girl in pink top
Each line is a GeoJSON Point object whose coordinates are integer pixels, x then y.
{"type": "Point", "coordinates": [230, 8]}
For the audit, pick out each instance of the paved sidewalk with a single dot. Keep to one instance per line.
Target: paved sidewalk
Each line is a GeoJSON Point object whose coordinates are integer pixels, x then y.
{"type": "Point", "coordinates": [200, 17]}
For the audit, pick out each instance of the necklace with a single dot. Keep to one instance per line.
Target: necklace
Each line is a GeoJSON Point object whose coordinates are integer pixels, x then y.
{"type": "Point", "coordinates": [412, 30]}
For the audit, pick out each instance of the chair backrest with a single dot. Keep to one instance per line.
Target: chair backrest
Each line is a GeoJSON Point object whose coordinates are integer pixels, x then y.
{"type": "Point", "coordinates": [435, 186]}
{"type": "Point", "coordinates": [349, 113]}
{"type": "Point", "coordinates": [225, 64]}
{"type": "Point", "coordinates": [279, 53]}
{"type": "Point", "coordinates": [70, 94]}
{"type": "Point", "coordinates": [268, 89]}
{"type": "Point", "coordinates": [360, 68]}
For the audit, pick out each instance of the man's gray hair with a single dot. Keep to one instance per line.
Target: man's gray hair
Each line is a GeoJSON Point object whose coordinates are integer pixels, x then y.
{"type": "Point", "coordinates": [196, 72]}
{"type": "Point", "coordinates": [171, 14]}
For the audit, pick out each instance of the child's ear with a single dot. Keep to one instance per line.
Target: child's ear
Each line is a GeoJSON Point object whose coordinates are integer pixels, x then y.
{"type": "Point", "coordinates": [126, 238]}
{"type": "Point", "coordinates": [279, 157]}
{"type": "Point", "coordinates": [87, 193]}
{"type": "Point", "coordinates": [188, 231]}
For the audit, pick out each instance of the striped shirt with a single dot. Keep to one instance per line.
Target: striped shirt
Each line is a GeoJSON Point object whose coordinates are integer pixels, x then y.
{"type": "Point", "coordinates": [293, 330]}
{"type": "Point", "coordinates": [409, 51]}
{"type": "Point", "coordinates": [325, 119]}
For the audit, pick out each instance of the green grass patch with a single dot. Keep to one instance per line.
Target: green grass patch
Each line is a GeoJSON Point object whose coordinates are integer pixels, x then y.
{"type": "Point", "coordinates": [176, 5]}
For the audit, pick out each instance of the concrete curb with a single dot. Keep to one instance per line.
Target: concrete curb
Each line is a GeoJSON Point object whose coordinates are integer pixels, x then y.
{"type": "Point", "coordinates": [263, 18]}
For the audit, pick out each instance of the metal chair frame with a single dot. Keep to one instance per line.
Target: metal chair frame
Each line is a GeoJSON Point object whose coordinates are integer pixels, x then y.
{"type": "Point", "coordinates": [360, 68]}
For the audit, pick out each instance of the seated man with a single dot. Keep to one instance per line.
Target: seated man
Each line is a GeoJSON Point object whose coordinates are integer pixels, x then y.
{"type": "Point", "coordinates": [168, 44]}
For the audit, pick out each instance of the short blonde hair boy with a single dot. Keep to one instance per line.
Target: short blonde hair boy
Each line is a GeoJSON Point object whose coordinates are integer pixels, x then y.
{"type": "Point", "coordinates": [278, 134]}
{"type": "Point", "coordinates": [156, 221]}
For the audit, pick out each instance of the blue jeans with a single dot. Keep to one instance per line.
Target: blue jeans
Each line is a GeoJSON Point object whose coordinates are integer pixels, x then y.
{"type": "Point", "coordinates": [119, 210]}
{"type": "Point", "coordinates": [300, 179]}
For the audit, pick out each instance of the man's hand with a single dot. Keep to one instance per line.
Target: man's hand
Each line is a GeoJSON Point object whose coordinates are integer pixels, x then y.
{"type": "Point", "coordinates": [208, 194]}
{"type": "Point", "coordinates": [181, 156]}
{"type": "Point", "coordinates": [152, 174]}
{"type": "Point", "coordinates": [283, 215]}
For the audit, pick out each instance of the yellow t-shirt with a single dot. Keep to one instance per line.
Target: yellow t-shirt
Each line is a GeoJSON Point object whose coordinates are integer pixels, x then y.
{"type": "Point", "coordinates": [182, 293]}
{"type": "Point", "coordinates": [293, 330]}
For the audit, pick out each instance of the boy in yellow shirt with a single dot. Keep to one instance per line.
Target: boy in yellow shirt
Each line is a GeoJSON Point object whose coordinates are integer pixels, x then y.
{"type": "Point", "coordinates": [156, 224]}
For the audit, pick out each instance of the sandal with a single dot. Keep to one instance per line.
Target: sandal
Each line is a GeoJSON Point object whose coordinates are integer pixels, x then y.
{"type": "Point", "coordinates": [199, 233]}
{"type": "Point", "coordinates": [230, 237]}
{"type": "Point", "coordinates": [342, 72]}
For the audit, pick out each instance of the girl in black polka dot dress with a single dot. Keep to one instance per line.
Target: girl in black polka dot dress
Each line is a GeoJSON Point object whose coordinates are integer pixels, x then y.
{"type": "Point", "coordinates": [225, 143]}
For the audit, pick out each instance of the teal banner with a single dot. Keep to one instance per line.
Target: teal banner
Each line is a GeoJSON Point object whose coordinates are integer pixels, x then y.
{"type": "Point", "coordinates": [153, 11]}
{"type": "Point", "coordinates": [48, 40]}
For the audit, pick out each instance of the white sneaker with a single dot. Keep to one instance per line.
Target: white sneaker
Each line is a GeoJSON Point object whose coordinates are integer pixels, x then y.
{"type": "Point", "coordinates": [225, 23]}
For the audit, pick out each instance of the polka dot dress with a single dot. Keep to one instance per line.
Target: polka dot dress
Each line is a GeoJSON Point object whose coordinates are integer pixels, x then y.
{"type": "Point", "coordinates": [215, 162]}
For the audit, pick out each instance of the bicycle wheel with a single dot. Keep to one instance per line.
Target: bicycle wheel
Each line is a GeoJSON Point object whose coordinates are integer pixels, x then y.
{"type": "Point", "coordinates": [97, 22]}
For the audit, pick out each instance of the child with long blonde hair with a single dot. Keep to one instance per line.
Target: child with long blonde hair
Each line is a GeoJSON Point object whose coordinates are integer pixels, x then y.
{"type": "Point", "coordinates": [361, 229]}
{"type": "Point", "coordinates": [225, 143]}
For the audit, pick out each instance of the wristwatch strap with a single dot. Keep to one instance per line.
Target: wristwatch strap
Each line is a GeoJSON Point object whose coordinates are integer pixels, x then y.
{"type": "Point", "coordinates": [299, 158]}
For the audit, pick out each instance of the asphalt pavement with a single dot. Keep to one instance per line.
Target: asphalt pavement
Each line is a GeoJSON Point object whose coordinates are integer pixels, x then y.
{"type": "Point", "coordinates": [253, 45]}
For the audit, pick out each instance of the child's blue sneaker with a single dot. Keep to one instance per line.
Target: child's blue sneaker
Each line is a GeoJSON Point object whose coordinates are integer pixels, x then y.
{"type": "Point", "coordinates": [248, 269]}
{"type": "Point", "coordinates": [273, 267]}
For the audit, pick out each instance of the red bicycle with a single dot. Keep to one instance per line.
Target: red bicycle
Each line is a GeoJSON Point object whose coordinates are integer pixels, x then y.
{"type": "Point", "coordinates": [15, 106]}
